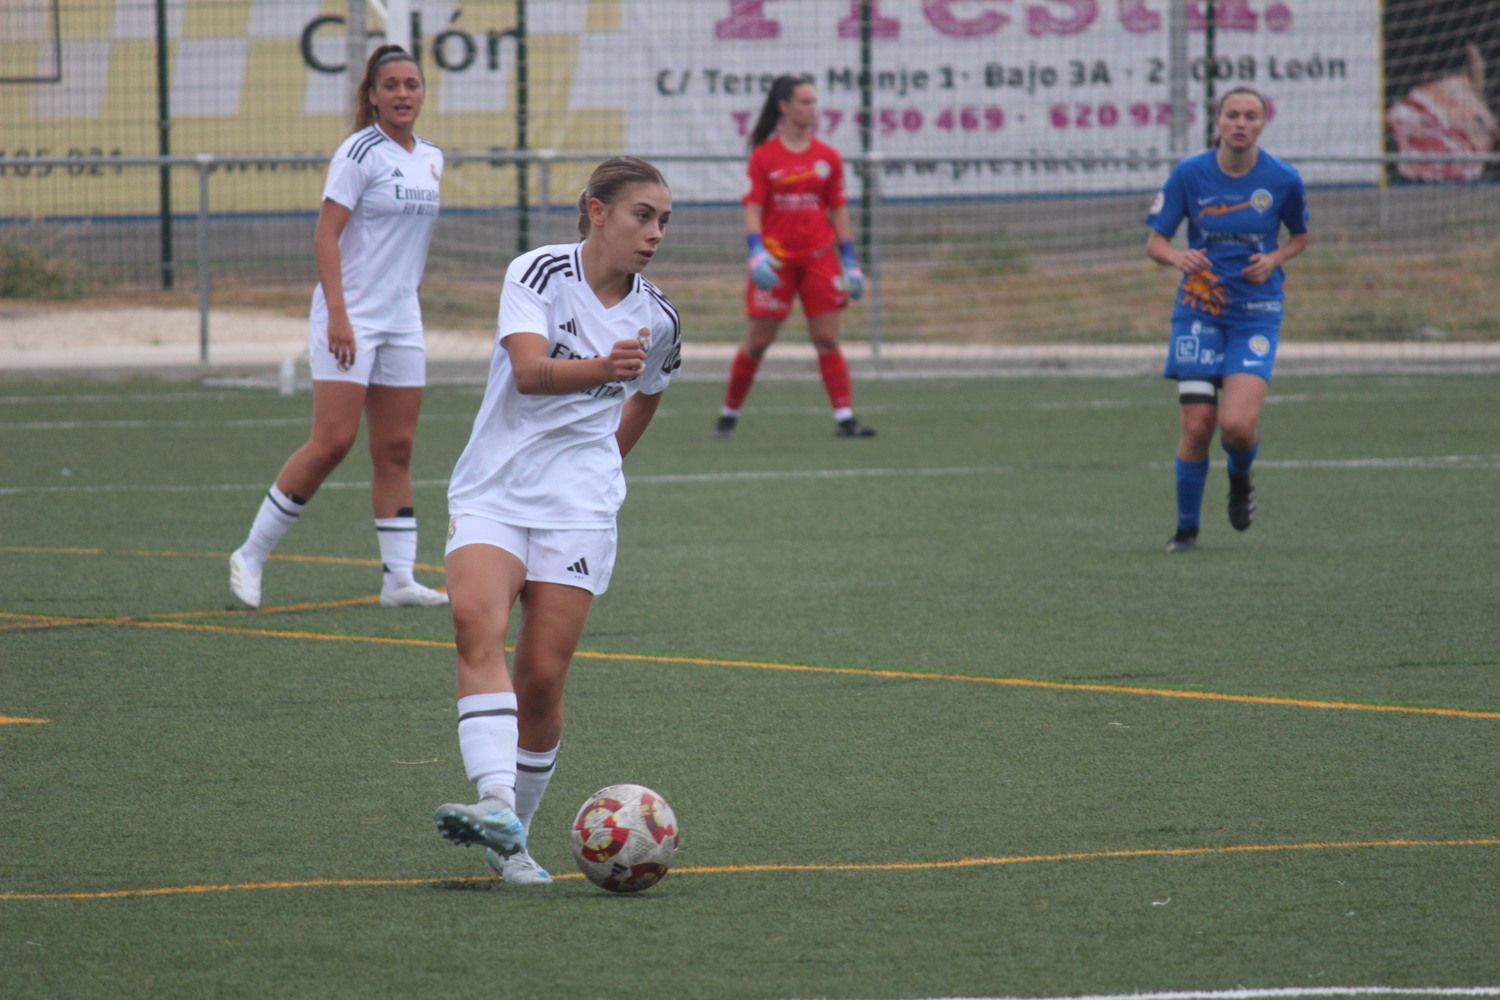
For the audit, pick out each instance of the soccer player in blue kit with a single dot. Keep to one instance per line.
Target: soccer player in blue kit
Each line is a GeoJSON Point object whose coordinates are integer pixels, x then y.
{"type": "Point", "coordinates": [1227, 316]}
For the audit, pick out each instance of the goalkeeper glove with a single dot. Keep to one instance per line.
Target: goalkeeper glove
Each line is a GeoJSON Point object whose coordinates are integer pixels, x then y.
{"type": "Point", "coordinates": [854, 278]}
{"type": "Point", "coordinates": [762, 265]}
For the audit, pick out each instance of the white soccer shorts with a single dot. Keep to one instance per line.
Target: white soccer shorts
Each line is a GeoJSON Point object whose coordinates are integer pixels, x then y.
{"type": "Point", "coordinates": [397, 360]}
{"type": "Point", "coordinates": [575, 557]}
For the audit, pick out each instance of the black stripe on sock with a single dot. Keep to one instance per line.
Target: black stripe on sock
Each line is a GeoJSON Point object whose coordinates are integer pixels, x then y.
{"type": "Point", "coordinates": [407, 512]}
{"type": "Point", "coordinates": [536, 768]}
{"type": "Point", "coordinates": [289, 513]}
{"type": "Point", "coordinates": [487, 711]}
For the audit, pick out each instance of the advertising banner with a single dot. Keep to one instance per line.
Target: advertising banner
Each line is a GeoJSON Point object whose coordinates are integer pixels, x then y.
{"type": "Point", "coordinates": [967, 78]}
{"type": "Point", "coordinates": [1003, 80]}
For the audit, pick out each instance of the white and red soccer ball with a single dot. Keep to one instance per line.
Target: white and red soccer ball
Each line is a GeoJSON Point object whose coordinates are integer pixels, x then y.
{"type": "Point", "coordinates": [625, 837]}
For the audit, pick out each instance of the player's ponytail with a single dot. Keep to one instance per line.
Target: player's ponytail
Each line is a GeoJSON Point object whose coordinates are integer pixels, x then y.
{"type": "Point", "coordinates": [364, 111]}
{"type": "Point", "coordinates": [782, 89]}
{"type": "Point", "coordinates": [609, 179]}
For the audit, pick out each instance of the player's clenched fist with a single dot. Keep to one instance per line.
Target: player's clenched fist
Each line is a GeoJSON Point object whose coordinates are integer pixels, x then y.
{"type": "Point", "coordinates": [627, 359]}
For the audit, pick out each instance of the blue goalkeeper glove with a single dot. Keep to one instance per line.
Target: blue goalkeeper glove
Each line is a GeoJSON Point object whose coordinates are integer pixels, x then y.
{"type": "Point", "coordinates": [762, 265]}
{"type": "Point", "coordinates": [854, 278]}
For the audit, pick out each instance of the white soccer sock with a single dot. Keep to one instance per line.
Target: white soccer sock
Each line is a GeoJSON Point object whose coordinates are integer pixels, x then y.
{"type": "Point", "coordinates": [278, 512]}
{"type": "Point", "coordinates": [534, 770]}
{"type": "Point", "coordinates": [398, 547]}
{"type": "Point", "coordinates": [843, 413]}
{"type": "Point", "coordinates": [487, 741]}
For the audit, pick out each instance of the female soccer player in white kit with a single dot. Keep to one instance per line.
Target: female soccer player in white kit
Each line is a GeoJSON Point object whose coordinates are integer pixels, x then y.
{"type": "Point", "coordinates": [585, 348]}
{"type": "Point", "coordinates": [380, 204]}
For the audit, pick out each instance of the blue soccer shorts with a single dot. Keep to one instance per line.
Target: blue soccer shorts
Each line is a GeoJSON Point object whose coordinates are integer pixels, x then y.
{"type": "Point", "coordinates": [1209, 349]}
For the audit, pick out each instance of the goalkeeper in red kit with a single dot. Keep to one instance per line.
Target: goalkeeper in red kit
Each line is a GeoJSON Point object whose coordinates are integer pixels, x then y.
{"type": "Point", "coordinates": [797, 230]}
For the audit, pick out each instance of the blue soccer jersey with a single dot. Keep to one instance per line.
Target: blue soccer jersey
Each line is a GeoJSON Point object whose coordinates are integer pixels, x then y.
{"type": "Point", "coordinates": [1229, 219]}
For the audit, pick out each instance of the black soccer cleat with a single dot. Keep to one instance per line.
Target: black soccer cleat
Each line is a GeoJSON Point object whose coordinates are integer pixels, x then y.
{"type": "Point", "coordinates": [850, 427]}
{"type": "Point", "coordinates": [724, 426]}
{"type": "Point", "coordinates": [1186, 540]}
{"type": "Point", "coordinates": [1241, 502]}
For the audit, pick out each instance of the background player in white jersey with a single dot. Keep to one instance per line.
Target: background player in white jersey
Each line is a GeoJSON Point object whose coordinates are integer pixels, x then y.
{"type": "Point", "coordinates": [366, 351]}
{"type": "Point", "coordinates": [1226, 323]}
{"type": "Point", "coordinates": [585, 348]}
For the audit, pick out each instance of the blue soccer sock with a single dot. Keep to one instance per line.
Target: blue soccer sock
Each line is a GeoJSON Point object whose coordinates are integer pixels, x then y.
{"type": "Point", "coordinates": [1191, 477]}
{"type": "Point", "coordinates": [1239, 461]}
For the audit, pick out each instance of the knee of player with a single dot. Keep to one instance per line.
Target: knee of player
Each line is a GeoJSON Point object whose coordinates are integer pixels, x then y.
{"type": "Point", "coordinates": [328, 450]}
{"type": "Point", "coordinates": [540, 687]}
{"type": "Point", "coordinates": [395, 452]}
{"type": "Point", "coordinates": [1198, 423]}
{"type": "Point", "coordinates": [1238, 433]}
{"type": "Point", "coordinates": [478, 628]}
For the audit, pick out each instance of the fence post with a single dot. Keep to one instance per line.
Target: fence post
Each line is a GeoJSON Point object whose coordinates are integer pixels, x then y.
{"type": "Point", "coordinates": [1177, 77]}
{"type": "Point", "coordinates": [205, 164]}
{"type": "Point", "coordinates": [523, 115]}
{"type": "Point", "coordinates": [544, 191]}
{"type": "Point", "coordinates": [164, 144]}
{"type": "Point", "coordinates": [872, 251]}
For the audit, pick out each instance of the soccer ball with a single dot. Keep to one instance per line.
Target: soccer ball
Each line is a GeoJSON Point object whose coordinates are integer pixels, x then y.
{"type": "Point", "coordinates": [625, 837]}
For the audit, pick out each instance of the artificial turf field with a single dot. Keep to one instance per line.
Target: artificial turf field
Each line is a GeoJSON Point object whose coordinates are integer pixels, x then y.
{"type": "Point", "coordinates": [937, 714]}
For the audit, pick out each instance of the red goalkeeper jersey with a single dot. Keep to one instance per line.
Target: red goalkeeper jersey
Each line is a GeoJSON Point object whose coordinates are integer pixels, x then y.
{"type": "Point", "coordinates": [795, 192]}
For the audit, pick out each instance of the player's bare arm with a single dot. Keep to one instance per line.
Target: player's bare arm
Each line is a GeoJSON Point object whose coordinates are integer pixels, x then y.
{"type": "Point", "coordinates": [332, 218]}
{"type": "Point", "coordinates": [634, 419]}
{"type": "Point", "coordinates": [538, 374]}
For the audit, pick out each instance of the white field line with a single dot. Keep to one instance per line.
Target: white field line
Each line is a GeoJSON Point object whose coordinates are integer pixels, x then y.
{"type": "Point", "coordinates": [1283, 991]}
{"type": "Point", "coordinates": [155, 424]}
{"type": "Point", "coordinates": [1421, 462]}
{"type": "Point", "coordinates": [432, 414]}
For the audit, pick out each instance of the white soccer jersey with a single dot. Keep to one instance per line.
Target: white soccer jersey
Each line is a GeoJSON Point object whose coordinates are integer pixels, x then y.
{"type": "Point", "coordinates": [392, 197]}
{"type": "Point", "coordinates": [544, 461]}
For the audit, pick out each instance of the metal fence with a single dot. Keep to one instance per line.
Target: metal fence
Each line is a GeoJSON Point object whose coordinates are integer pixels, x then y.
{"type": "Point", "coordinates": [1391, 263]}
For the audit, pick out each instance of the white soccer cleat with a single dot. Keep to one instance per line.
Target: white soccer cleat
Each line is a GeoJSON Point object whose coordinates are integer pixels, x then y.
{"type": "Point", "coordinates": [411, 595]}
{"type": "Point", "coordinates": [489, 822]}
{"type": "Point", "coordinates": [518, 869]}
{"type": "Point", "coordinates": [244, 579]}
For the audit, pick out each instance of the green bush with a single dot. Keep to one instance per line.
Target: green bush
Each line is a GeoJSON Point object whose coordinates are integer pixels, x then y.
{"type": "Point", "coordinates": [33, 274]}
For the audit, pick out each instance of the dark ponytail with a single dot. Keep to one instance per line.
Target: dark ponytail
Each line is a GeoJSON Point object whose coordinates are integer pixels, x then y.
{"type": "Point", "coordinates": [782, 89]}
{"type": "Point", "coordinates": [364, 111]}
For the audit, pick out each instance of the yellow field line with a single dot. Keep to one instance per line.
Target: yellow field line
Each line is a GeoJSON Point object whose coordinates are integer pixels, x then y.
{"type": "Point", "coordinates": [23, 626]}
{"type": "Point", "coordinates": [274, 633]}
{"type": "Point", "coordinates": [12, 720]}
{"type": "Point", "coordinates": [979, 862]}
{"type": "Point", "coordinates": [22, 620]}
{"type": "Point", "coordinates": [1243, 699]}
{"type": "Point", "coordinates": [1148, 692]}
{"type": "Point", "coordinates": [150, 554]}
{"type": "Point", "coordinates": [348, 602]}
{"type": "Point", "coordinates": [1023, 682]}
